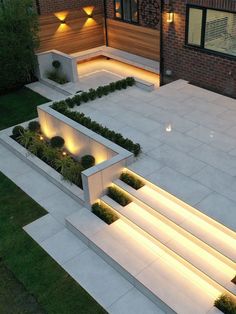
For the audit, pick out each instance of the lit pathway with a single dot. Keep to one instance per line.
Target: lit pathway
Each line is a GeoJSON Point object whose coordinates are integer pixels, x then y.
{"type": "Point", "coordinates": [105, 284]}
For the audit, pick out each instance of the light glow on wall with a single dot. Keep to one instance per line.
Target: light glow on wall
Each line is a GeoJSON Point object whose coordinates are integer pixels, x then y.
{"type": "Point", "coordinates": [62, 18]}
{"type": "Point", "coordinates": [89, 10]}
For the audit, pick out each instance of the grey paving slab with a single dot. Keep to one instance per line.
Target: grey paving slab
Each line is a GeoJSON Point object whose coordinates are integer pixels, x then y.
{"type": "Point", "coordinates": [35, 185]}
{"type": "Point", "coordinates": [43, 228]}
{"type": "Point", "coordinates": [220, 208]}
{"type": "Point", "coordinates": [12, 166]}
{"type": "Point", "coordinates": [63, 246]}
{"type": "Point", "coordinates": [134, 302]}
{"type": "Point", "coordinates": [45, 91]}
{"type": "Point", "coordinates": [171, 157]}
{"type": "Point", "coordinates": [60, 205]}
{"type": "Point", "coordinates": [145, 165]}
{"type": "Point", "coordinates": [180, 185]}
{"type": "Point", "coordinates": [97, 277]}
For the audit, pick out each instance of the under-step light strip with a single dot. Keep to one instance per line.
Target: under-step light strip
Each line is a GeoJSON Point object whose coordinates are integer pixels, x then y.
{"type": "Point", "coordinates": [176, 236]}
{"type": "Point", "coordinates": [174, 263]}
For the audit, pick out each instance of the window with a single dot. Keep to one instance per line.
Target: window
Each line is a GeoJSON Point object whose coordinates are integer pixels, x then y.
{"type": "Point", "coordinates": [127, 10]}
{"type": "Point", "coordinates": [212, 30]}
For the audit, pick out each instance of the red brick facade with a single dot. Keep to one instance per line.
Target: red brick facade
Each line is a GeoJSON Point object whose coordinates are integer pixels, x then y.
{"type": "Point", "coordinates": [49, 6]}
{"type": "Point", "coordinates": [200, 68]}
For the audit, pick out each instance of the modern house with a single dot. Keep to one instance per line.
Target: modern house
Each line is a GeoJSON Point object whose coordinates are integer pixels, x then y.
{"type": "Point", "coordinates": [193, 40]}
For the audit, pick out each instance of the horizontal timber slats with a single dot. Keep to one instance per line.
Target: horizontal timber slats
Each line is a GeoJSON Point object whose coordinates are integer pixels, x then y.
{"type": "Point", "coordinates": [77, 34]}
{"type": "Point", "coordinates": [135, 39]}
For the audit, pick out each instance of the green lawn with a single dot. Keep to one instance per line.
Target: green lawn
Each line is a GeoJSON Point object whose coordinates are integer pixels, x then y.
{"type": "Point", "coordinates": [19, 106]}
{"type": "Point", "coordinates": [32, 272]}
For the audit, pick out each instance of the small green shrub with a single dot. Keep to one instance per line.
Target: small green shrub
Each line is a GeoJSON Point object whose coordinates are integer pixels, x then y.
{"type": "Point", "coordinates": [87, 161]}
{"type": "Point", "coordinates": [92, 94]}
{"type": "Point", "coordinates": [34, 126]}
{"type": "Point", "coordinates": [118, 196]}
{"type": "Point", "coordinates": [70, 102]}
{"type": "Point", "coordinates": [99, 91]}
{"type": "Point", "coordinates": [50, 155]}
{"type": "Point", "coordinates": [132, 180]}
{"type": "Point", "coordinates": [226, 304]}
{"type": "Point", "coordinates": [130, 81]}
{"type": "Point", "coordinates": [60, 106]}
{"type": "Point", "coordinates": [112, 87]}
{"type": "Point", "coordinates": [56, 64]}
{"type": "Point", "coordinates": [84, 97]}
{"type": "Point", "coordinates": [104, 213]}
{"type": "Point", "coordinates": [37, 147]}
{"type": "Point", "coordinates": [118, 85]}
{"type": "Point", "coordinates": [57, 142]}
{"type": "Point", "coordinates": [17, 131]}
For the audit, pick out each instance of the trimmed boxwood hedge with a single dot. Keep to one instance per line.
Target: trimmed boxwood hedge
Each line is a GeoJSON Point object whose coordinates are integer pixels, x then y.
{"type": "Point", "coordinates": [118, 196]}
{"type": "Point", "coordinates": [117, 138]}
{"type": "Point", "coordinates": [64, 105]}
{"type": "Point", "coordinates": [105, 213]}
{"type": "Point", "coordinates": [131, 180]}
{"type": "Point", "coordinates": [226, 304]}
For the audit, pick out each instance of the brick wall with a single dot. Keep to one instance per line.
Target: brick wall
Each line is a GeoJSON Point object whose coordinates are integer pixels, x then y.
{"type": "Point", "coordinates": [210, 71]}
{"type": "Point", "coordinates": [49, 6]}
{"type": "Point", "coordinates": [149, 12]}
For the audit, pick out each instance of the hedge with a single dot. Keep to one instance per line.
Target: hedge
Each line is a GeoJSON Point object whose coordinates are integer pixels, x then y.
{"type": "Point", "coordinates": [118, 196]}
{"type": "Point", "coordinates": [131, 180]}
{"type": "Point", "coordinates": [226, 304]}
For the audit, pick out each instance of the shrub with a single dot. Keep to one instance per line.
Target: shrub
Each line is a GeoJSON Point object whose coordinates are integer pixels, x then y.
{"type": "Point", "coordinates": [77, 99]}
{"type": "Point", "coordinates": [60, 106]}
{"type": "Point", "coordinates": [132, 180]}
{"type": "Point", "coordinates": [98, 128]}
{"type": "Point", "coordinates": [130, 81]}
{"type": "Point", "coordinates": [226, 304]}
{"type": "Point", "coordinates": [118, 196]}
{"type": "Point", "coordinates": [57, 142]}
{"type": "Point", "coordinates": [99, 91]}
{"type": "Point", "coordinates": [17, 131]}
{"type": "Point", "coordinates": [124, 83]}
{"type": "Point", "coordinates": [84, 97]}
{"type": "Point", "coordinates": [112, 87]}
{"type": "Point", "coordinates": [118, 85]}
{"type": "Point", "coordinates": [36, 147]}
{"type": "Point", "coordinates": [56, 64]}
{"type": "Point", "coordinates": [92, 94]}
{"type": "Point", "coordinates": [104, 213]}
{"type": "Point", "coordinates": [70, 102]}
{"type": "Point", "coordinates": [34, 126]}
{"type": "Point", "coordinates": [87, 161]}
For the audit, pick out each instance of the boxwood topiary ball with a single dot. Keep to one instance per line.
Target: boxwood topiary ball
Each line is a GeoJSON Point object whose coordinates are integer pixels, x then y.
{"type": "Point", "coordinates": [18, 130]}
{"type": "Point", "coordinates": [87, 161]}
{"type": "Point", "coordinates": [57, 142]}
{"type": "Point", "coordinates": [34, 126]}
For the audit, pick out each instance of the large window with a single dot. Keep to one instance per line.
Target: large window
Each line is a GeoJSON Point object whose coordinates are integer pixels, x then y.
{"type": "Point", "coordinates": [127, 10]}
{"type": "Point", "coordinates": [212, 30]}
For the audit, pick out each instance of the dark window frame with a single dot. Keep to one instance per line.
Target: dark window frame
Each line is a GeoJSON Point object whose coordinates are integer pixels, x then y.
{"type": "Point", "coordinates": [122, 12]}
{"type": "Point", "coordinates": [204, 18]}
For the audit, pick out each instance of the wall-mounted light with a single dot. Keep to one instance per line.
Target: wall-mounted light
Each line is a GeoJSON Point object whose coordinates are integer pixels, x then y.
{"type": "Point", "coordinates": [170, 15]}
{"type": "Point", "coordinates": [89, 11]}
{"type": "Point", "coordinates": [63, 21]}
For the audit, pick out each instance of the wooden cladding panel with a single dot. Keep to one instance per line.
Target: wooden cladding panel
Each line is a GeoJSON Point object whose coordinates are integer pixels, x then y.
{"type": "Point", "coordinates": [135, 39]}
{"type": "Point", "coordinates": [79, 33]}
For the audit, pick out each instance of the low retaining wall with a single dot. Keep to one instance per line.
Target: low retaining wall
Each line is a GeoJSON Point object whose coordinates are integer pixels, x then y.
{"type": "Point", "coordinates": [110, 158]}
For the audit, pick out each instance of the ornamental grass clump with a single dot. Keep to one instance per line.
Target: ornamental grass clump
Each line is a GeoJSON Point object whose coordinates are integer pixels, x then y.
{"type": "Point", "coordinates": [226, 304]}
{"type": "Point", "coordinates": [132, 180]}
{"type": "Point", "coordinates": [118, 196]}
{"type": "Point", "coordinates": [105, 213]}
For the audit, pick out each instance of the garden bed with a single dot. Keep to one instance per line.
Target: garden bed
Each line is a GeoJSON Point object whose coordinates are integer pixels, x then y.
{"type": "Point", "coordinates": [105, 213]}
{"type": "Point", "coordinates": [52, 152]}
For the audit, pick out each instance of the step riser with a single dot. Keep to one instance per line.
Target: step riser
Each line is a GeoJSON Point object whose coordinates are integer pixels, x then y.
{"type": "Point", "coordinates": [121, 270]}
{"type": "Point", "coordinates": [191, 209]}
{"type": "Point", "coordinates": [200, 274]}
{"type": "Point", "coordinates": [132, 194]}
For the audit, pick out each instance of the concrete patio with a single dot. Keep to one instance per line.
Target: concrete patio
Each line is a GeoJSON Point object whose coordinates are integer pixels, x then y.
{"type": "Point", "coordinates": [188, 140]}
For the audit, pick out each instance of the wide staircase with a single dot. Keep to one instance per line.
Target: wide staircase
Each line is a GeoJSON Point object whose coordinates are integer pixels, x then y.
{"type": "Point", "coordinates": [177, 256]}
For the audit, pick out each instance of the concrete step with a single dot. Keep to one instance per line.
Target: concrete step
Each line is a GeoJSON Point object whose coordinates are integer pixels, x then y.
{"type": "Point", "coordinates": [148, 265]}
{"type": "Point", "coordinates": [211, 232]}
{"type": "Point", "coordinates": [205, 264]}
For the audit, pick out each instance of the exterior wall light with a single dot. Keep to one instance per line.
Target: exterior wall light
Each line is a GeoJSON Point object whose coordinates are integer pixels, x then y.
{"type": "Point", "coordinates": [89, 11]}
{"type": "Point", "coordinates": [63, 21]}
{"type": "Point", "coordinates": [170, 15]}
